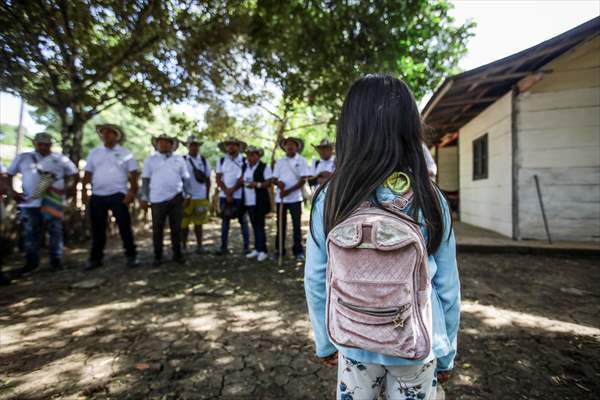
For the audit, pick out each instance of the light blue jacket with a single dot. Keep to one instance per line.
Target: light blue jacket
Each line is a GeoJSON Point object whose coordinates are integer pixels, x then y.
{"type": "Point", "coordinates": [445, 295]}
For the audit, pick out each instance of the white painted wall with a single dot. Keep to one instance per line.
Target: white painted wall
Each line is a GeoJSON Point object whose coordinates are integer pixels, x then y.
{"type": "Point", "coordinates": [558, 125]}
{"type": "Point", "coordinates": [487, 203]}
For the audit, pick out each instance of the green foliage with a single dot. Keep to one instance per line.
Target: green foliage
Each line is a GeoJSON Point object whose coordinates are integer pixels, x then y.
{"type": "Point", "coordinates": [314, 50]}
{"type": "Point", "coordinates": [80, 57]}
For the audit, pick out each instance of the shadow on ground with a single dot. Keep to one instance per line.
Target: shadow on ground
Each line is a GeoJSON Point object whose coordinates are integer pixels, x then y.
{"type": "Point", "coordinates": [228, 328]}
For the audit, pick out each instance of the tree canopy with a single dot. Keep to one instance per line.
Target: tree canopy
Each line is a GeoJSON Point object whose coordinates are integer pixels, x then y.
{"type": "Point", "coordinates": [79, 58]}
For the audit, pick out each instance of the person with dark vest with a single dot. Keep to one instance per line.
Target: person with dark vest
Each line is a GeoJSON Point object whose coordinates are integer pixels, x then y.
{"type": "Point", "coordinates": [257, 179]}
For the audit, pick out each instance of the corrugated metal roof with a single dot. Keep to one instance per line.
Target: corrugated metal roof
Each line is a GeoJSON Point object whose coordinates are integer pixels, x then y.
{"type": "Point", "coordinates": [462, 97]}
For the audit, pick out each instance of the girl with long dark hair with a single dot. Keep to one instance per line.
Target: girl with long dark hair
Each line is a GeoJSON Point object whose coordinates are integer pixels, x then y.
{"type": "Point", "coordinates": [379, 157]}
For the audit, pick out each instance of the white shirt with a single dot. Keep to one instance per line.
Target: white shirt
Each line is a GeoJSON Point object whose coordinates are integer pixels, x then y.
{"type": "Point", "coordinates": [232, 171]}
{"type": "Point", "coordinates": [324, 166]}
{"type": "Point", "coordinates": [250, 193]}
{"type": "Point", "coordinates": [31, 163]}
{"type": "Point", "coordinates": [110, 169]}
{"type": "Point", "coordinates": [431, 167]}
{"type": "Point", "coordinates": [289, 171]}
{"type": "Point", "coordinates": [166, 174]}
{"type": "Point", "coordinates": [198, 190]}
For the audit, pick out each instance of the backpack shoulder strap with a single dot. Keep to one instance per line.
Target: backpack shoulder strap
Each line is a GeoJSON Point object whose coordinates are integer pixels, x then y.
{"type": "Point", "coordinates": [244, 165]}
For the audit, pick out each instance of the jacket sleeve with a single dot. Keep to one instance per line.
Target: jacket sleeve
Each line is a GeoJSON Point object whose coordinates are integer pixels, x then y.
{"type": "Point", "coordinates": [447, 284]}
{"type": "Point", "coordinates": [315, 271]}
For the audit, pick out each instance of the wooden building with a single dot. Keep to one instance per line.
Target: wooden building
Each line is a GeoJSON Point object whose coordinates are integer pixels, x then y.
{"type": "Point", "coordinates": [532, 116]}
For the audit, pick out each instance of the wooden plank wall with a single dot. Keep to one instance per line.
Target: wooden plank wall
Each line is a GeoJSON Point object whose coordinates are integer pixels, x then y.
{"type": "Point", "coordinates": [487, 203]}
{"type": "Point", "coordinates": [558, 131]}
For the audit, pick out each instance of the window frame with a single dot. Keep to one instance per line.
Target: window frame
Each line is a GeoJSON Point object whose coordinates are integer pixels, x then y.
{"type": "Point", "coordinates": [481, 157]}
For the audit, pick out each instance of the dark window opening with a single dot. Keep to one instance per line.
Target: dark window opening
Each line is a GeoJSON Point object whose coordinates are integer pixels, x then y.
{"type": "Point", "coordinates": [480, 157]}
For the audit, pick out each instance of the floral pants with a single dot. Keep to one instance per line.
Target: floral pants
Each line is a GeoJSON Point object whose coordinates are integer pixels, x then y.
{"type": "Point", "coordinates": [364, 381]}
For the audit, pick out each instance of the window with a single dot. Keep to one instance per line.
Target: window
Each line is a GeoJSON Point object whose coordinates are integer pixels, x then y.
{"type": "Point", "coordinates": [480, 158]}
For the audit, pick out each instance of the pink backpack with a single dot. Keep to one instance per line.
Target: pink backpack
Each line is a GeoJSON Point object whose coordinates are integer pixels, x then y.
{"type": "Point", "coordinates": [378, 282]}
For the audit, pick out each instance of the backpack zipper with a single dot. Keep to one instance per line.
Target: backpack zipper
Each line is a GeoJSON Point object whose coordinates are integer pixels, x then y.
{"type": "Point", "coordinates": [395, 312]}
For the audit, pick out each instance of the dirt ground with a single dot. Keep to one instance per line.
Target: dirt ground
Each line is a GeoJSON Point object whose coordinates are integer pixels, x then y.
{"type": "Point", "coordinates": [225, 328]}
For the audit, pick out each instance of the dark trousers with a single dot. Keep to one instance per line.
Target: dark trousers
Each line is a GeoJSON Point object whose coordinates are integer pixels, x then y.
{"type": "Point", "coordinates": [173, 209]}
{"type": "Point", "coordinates": [295, 210]}
{"type": "Point", "coordinates": [257, 220]}
{"type": "Point", "coordinates": [99, 206]}
{"type": "Point", "coordinates": [225, 224]}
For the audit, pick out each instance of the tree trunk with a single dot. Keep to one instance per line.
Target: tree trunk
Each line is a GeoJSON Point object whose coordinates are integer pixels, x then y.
{"type": "Point", "coordinates": [282, 124]}
{"type": "Point", "coordinates": [71, 140]}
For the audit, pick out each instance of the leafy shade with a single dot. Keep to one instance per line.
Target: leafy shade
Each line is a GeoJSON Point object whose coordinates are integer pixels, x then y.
{"type": "Point", "coordinates": [81, 57]}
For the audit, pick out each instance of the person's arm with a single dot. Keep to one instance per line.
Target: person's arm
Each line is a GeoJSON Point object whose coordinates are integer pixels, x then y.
{"type": "Point", "coordinates": [87, 179]}
{"type": "Point", "coordinates": [315, 272]}
{"type": "Point", "coordinates": [187, 181]}
{"type": "Point", "coordinates": [132, 193]}
{"type": "Point", "coordinates": [447, 285]}
{"type": "Point", "coordinates": [145, 192]}
{"type": "Point", "coordinates": [12, 170]}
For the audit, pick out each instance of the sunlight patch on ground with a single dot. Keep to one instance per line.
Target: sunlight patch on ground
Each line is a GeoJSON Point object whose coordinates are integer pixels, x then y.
{"type": "Point", "coordinates": [499, 317]}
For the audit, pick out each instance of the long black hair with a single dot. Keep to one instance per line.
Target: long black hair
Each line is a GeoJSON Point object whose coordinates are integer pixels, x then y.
{"type": "Point", "coordinates": [379, 132]}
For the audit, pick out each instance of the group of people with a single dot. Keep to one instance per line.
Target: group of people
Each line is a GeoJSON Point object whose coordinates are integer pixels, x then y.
{"type": "Point", "coordinates": [173, 187]}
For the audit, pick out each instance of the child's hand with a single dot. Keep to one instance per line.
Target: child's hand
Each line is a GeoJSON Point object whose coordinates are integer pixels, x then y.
{"type": "Point", "coordinates": [331, 360]}
{"type": "Point", "coordinates": [443, 377]}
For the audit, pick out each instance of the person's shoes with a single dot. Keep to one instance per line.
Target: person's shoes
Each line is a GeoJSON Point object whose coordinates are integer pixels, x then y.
{"type": "Point", "coordinates": [4, 280]}
{"type": "Point", "coordinates": [92, 264]}
{"type": "Point", "coordinates": [133, 262]}
{"type": "Point", "coordinates": [299, 257]}
{"type": "Point", "coordinates": [252, 254]}
{"type": "Point", "coordinates": [27, 268]}
{"type": "Point", "coordinates": [157, 262]}
{"type": "Point", "coordinates": [56, 264]}
{"type": "Point", "coordinates": [222, 252]}
{"type": "Point", "coordinates": [262, 256]}
{"type": "Point", "coordinates": [200, 250]}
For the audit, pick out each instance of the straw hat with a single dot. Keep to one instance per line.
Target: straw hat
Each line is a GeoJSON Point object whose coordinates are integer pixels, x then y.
{"type": "Point", "coordinates": [115, 128]}
{"type": "Point", "coordinates": [193, 139]}
{"type": "Point", "coordinates": [298, 141]}
{"type": "Point", "coordinates": [173, 140]}
{"type": "Point", "coordinates": [254, 149]}
{"type": "Point", "coordinates": [324, 143]}
{"type": "Point", "coordinates": [42, 137]}
{"type": "Point", "coordinates": [222, 145]}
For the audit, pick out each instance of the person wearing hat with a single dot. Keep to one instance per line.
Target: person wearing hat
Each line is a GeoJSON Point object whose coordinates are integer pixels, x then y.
{"type": "Point", "coordinates": [257, 179]}
{"type": "Point", "coordinates": [110, 168]}
{"type": "Point", "coordinates": [165, 185]}
{"type": "Point", "coordinates": [325, 165]}
{"type": "Point", "coordinates": [289, 176]}
{"type": "Point", "coordinates": [230, 172]}
{"type": "Point", "coordinates": [61, 176]}
{"type": "Point", "coordinates": [196, 210]}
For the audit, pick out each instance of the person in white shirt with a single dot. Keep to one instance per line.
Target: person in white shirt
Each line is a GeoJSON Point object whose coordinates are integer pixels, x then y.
{"type": "Point", "coordinates": [230, 171]}
{"type": "Point", "coordinates": [431, 166]}
{"type": "Point", "coordinates": [289, 177]}
{"type": "Point", "coordinates": [110, 168]}
{"type": "Point", "coordinates": [165, 184]}
{"type": "Point", "coordinates": [60, 176]}
{"type": "Point", "coordinates": [325, 165]}
{"type": "Point", "coordinates": [196, 210]}
{"type": "Point", "coordinates": [257, 180]}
